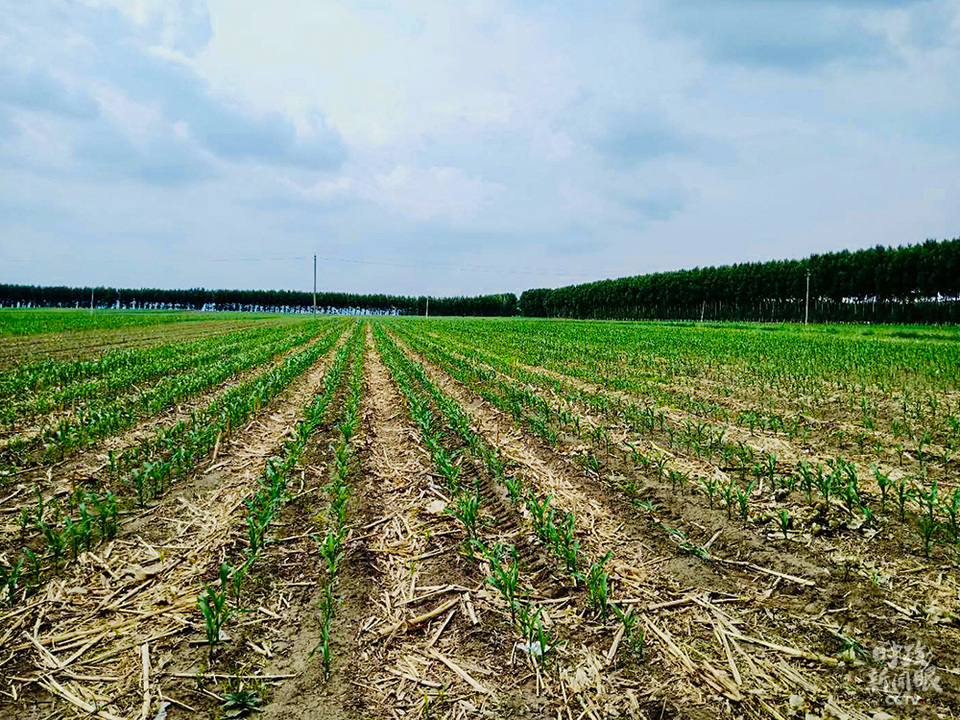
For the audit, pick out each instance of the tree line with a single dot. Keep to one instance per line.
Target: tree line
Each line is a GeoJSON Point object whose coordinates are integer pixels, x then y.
{"type": "Point", "coordinates": [910, 284]}
{"type": "Point", "coordinates": [280, 301]}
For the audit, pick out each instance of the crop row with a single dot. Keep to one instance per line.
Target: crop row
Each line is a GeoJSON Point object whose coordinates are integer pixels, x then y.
{"type": "Point", "coordinates": [93, 421]}
{"type": "Point", "coordinates": [338, 494]}
{"type": "Point", "coordinates": [263, 505]}
{"type": "Point", "coordinates": [137, 367]}
{"type": "Point", "coordinates": [748, 377]}
{"type": "Point", "coordinates": [555, 529]}
{"type": "Point", "coordinates": [630, 463]}
{"type": "Point", "coordinates": [144, 472]}
{"type": "Point", "coordinates": [30, 321]}
{"type": "Point", "coordinates": [835, 488]}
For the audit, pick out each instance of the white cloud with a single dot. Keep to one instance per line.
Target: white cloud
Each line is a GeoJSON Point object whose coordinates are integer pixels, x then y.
{"type": "Point", "coordinates": [435, 193]}
{"type": "Point", "coordinates": [384, 75]}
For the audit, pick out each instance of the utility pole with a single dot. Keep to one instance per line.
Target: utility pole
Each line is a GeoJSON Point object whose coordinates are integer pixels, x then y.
{"type": "Point", "coordinates": [806, 308]}
{"type": "Point", "coordinates": [91, 301]}
{"type": "Point", "coordinates": [428, 306]}
{"type": "Point", "coordinates": [314, 284]}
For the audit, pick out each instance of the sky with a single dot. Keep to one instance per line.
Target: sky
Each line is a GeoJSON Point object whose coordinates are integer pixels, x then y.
{"type": "Point", "coordinates": [450, 147]}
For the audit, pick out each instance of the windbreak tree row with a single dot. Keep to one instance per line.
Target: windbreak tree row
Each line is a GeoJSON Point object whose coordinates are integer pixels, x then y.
{"type": "Point", "coordinates": [32, 296]}
{"type": "Point", "coordinates": [915, 283]}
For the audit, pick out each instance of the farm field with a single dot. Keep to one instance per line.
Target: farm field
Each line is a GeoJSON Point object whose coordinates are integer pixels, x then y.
{"type": "Point", "coordinates": [48, 334]}
{"type": "Point", "coordinates": [33, 321]}
{"type": "Point", "coordinates": [456, 518]}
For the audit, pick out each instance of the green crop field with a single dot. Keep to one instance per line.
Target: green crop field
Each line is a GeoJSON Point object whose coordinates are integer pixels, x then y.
{"type": "Point", "coordinates": [451, 518]}
{"type": "Point", "coordinates": [44, 320]}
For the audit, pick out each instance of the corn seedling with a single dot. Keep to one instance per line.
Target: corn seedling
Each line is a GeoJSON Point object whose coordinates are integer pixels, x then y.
{"type": "Point", "coordinates": [56, 542]}
{"type": "Point", "coordinates": [677, 480]}
{"type": "Point", "coordinates": [39, 495]}
{"type": "Point", "coordinates": [506, 575]}
{"type": "Point", "coordinates": [240, 703]}
{"type": "Point", "coordinates": [904, 493]}
{"type": "Point", "coordinates": [330, 549]}
{"type": "Point", "coordinates": [825, 483]}
{"type": "Point", "coordinates": [631, 631]}
{"type": "Point", "coordinates": [467, 511]}
{"type": "Point", "coordinates": [339, 495]}
{"type": "Point", "coordinates": [851, 495]}
{"type": "Point", "coordinates": [564, 542]}
{"type": "Point", "coordinates": [327, 611]}
{"type": "Point", "coordinates": [647, 505]}
{"type": "Point", "coordinates": [237, 577]}
{"type": "Point", "coordinates": [684, 543]}
{"type": "Point", "coordinates": [710, 485]}
{"type": "Point", "coordinates": [9, 579]}
{"type": "Point", "coordinates": [328, 604]}
{"type": "Point", "coordinates": [536, 637]}
{"type": "Point", "coordinates": [255, 533]}
{"type": "Point", "coordinates": [743, 501]}
{"type": "Point", "coordinates": [538, 511]}
{"type": "Point", "coordinates": [598, 587]}
{"type": "Point", "coordinates": [26, 521]}
{"type": "Point", "coordinates": [590, 462]}
{"type": "Point", "coordinates": [514, 484]}
{"type": "Point", "coordinates": [213, 605]}
{"type": "Point", "coordinates": [883, 482]}
{"type": "Point", "coordinates": [927, 525]}
{"type": "Point", "coordinates": [927, 500]}
{"type": "Point", "coordinates": [784, 520]}
{"type": "Point", "coordinates": [729, 492]}
{"type": "Point", "coordinates": [661, 462]}
{"type": "Point", "coordinates": [34, 567]}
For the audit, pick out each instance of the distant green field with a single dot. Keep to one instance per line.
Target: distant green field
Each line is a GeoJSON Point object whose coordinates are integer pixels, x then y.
{"type": "Point", "coordinates": [43, 320]}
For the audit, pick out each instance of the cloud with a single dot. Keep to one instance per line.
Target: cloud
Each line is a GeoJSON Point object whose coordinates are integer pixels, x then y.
{"type": "Point", "coordinates": [219, 124]}
{"type": "Point", "coordinates": [793, 35]}
{"type": "Point", "coordinates": [134, 53]}
{"type": "Point", "coordinates": [659, 203]}
{"type": "Point", "coordinates": [180, 25]}
{"type": "Point", "coordinates": [433, 194]}
{"type": "Point", "coordinates": [34, 88]}
{"type": "Point", "coordinates": [577, 141]}
{"type": "Point", "coordinates": [7, 126]}
{"type": "Point", "coordinates": [626, 135]}
{"type": "Point", "coordinates": [632, 139]}
{"type": "Point", "coordinates": [934, 25]}
{"type": "Point", "coordinates": [162, 160]}
{"type": "Point", "coordinates": [423, 194]}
